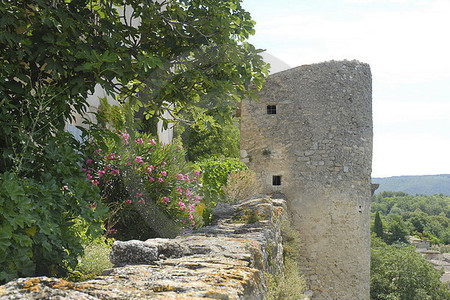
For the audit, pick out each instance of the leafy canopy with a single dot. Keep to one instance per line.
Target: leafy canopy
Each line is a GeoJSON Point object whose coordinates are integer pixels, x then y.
{"type": "Point", "coordinates": [421, 215]}
{"type": "Point", "coordinates": [398, 272]}
{"type": "Point", "coordinates": [168, 55]}
{"type": "Point", "coordinates": [181, 55]}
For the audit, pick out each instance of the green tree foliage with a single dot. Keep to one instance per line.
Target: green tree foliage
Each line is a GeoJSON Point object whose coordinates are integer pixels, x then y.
{"type": "Point", "coordinates": [39, 211]}
{"type": "Point", "coordinates": [173, 54]}
{"type": "Point", "coordinates": [398, 272]}
{"type": "Point", "coordinates": [431, 205]}
{"type": "Point", "coordinates": [215, 141]}
{"type": "Point", "coordinates": [378, 226]}
{"type": "Point", "coordinates": [215, 175]}
{"type": "Point", "coordinates": [421, 215]}
{"type": "Point", "coordinates": [396, 230]}
{"type": "Point", "coordinates": [419, 220]}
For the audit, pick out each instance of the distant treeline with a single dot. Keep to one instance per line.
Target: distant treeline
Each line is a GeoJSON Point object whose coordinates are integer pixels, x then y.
{"type": "Point", "coordinates": [403, 214]}
{"type": "Point", "coordinates": [421, 185]}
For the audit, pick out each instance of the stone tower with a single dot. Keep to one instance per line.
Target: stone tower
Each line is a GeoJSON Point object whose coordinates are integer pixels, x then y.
{"type": "Point", "coordinates": [310, 138]}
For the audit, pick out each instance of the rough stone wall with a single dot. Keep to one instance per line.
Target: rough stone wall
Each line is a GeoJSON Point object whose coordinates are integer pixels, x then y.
{"type": "Point", "coordinates": [227, 260]}
{"type": "Point", "coordinates": [320, 143]}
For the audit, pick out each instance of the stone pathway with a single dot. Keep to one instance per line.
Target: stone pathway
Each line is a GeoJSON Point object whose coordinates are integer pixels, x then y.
{"type": "Point", "coordinates": [225, 261]}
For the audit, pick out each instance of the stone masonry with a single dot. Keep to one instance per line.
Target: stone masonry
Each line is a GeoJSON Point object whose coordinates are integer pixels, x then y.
{"type": "Point", "coordinates": [310, 138]}
{"type": "Point", "coordinates": [227, 260]}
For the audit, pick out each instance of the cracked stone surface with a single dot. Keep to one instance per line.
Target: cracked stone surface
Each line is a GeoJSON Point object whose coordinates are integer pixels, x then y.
{"type": "Point", "coordinates": [224, 261]}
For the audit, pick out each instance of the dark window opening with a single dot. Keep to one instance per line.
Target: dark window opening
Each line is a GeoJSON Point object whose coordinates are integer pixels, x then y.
{"type": "Point", "coordinates": [271, 109]}
{"type": "Point", "coordinates": [276, 180]}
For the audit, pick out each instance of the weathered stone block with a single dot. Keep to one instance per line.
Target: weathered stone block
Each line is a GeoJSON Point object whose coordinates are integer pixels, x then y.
{"type": "Point", "coordinates": [227, 260]}
{"type": "Point", "coordinates": [133, 252]}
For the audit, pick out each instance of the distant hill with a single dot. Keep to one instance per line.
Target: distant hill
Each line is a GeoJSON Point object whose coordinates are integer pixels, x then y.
{"type": "Point", "coordinates": [425, 184]}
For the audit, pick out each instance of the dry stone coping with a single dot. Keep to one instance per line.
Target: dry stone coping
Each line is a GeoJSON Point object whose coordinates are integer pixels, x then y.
{"type": "Point", "coordinates": [226, 260]}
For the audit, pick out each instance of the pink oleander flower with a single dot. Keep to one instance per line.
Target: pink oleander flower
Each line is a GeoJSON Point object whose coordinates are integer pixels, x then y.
{"type": "Point", "coordinates": [191, 208]}
{"type": "Point", "coordinates": [152, 141]}
{"type": "Point", "coordinates": [197, 198]}
{"type": "Point", "coordinates": [128, 201]}
{"type": "Point", "coordinates": [98, 151]}
{"type": "Point", "coordinates": [193, 223]}
{"type": "Point", "coordinates": [88, 176]}
{"type": "Point", "coordinates": [180, 176]}
{"type": "Point", "coordinates": [95, 182]}
{"type": "Point", "coordinates": [89, 161]}
{"type": "Point", "coordinates": [139, 141]}
{"type": "Point", "coordinates": [165, 200]}
{"type": "Point", "coordinates": [110, 156]}
{"type": "Point", "coordinates": [164, 163]}
{"type": "Point", "coordinates": [191, 217]}
{"type": "Point", "coordinates": [141, 201]}
{"type": "Point", "coordinates": [93, 205]}
{"type": "Point", "coordinates": [181, 204]}
{"type": "Point", "coordinates": [160, 179]}
{"type": "Point", "coordinates": [125, 137]}
{"type": "Point", "coordinates": [163, 173]}
{"type": "Point", "coordinates": [114, 171]}
{"type": "Point", "coordinates": [139, 160]}
{"type": "Point", "coordinates": [100, 173]}
{"type": "Point", "coordinates": [139, 194]}
{"type": "Point", "coordinates": [174, 159]}
{"type": "Point", "coordinates": [188, 194]}
{"type": "Point", "coordinates": [180, 190]}
{"type": "Point", "coordinates": [150, 169]}
{"type": "Point", "coordinates": [197, 173]}
{"type": "Point", "coordinates": [151, 179]}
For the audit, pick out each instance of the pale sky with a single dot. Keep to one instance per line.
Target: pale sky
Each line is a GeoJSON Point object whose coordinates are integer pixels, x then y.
{"type": "Point", "coordinates": [406, 43]}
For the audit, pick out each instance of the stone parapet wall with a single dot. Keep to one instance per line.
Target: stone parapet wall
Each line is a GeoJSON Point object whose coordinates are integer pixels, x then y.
{"type": "Point", "coordinates": [226, 260]}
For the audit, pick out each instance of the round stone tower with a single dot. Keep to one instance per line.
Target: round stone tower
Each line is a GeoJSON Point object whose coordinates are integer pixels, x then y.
{"type": "Point", "coordinates": [310, 137]}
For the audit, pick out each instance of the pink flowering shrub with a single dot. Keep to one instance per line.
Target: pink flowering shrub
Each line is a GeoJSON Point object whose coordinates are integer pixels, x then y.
{"type": "Point", "coordinates": [150, 189]}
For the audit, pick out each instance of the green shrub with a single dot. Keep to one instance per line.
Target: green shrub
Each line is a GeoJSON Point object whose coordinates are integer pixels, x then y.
{"type": "Point", "coordinates": [38, 209]}
{"type": "Point", "coordinates": [94, 261]}
{"type": "Point", "coordinates": [150, 189]}
{"type": "Point", "coordinates": [215, 174]}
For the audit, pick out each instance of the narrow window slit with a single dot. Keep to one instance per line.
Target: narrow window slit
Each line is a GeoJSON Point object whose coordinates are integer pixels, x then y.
{"type": "Point", "coordinates": [276, 180]}
{"type": "Point", "coordinates": [271, 109]}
